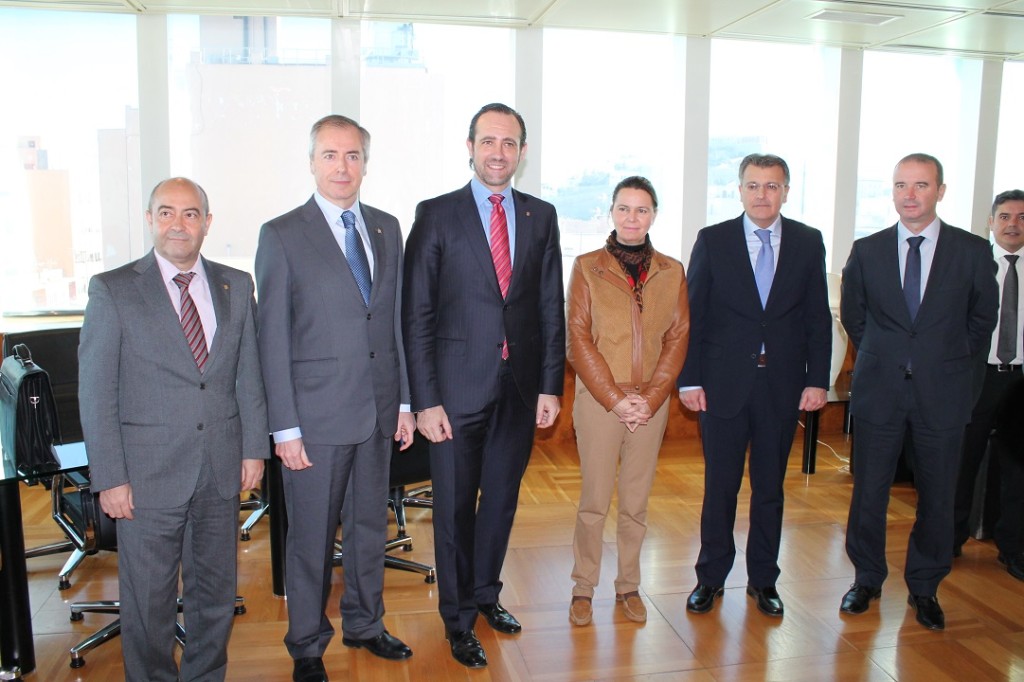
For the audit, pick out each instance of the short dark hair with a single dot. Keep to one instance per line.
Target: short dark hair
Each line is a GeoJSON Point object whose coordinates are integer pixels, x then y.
{"type": "Point", "coordinates": [1003, 197]}
{"type": "Point", "coordinates": [764, 161]}
{"type": "Point", "coordinates": [498, 108]}
{"type": "Point", "coordinates": [203, 199]}
{"type": "Point", "coordinates": [339, 121]}
{"type": "Point", "coordinates": [637, 182]}
{"type": "Point", "coordinates": [920, 157]}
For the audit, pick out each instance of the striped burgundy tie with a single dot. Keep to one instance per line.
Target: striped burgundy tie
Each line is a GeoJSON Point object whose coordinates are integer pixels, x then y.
{"type": "Point", "coordinates": [190, 322]}
{"type": "Point", "coordinates": [500, 252]}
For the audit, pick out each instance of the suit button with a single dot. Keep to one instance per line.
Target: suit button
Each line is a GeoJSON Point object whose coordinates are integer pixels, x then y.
{"type": "Point", "coordinates": [369, 316]}
{"type": "Point", "coordinates": [753, 356]}
{"type": "Point", "coordinates": [199, 428]}
{"type": "Point", "coordinates": [913, 335]}
{"type": "Point", "coordinates": [372, 355]}
{"type": "Point", "coordinates": [202, 386]}
{"type": "Point", "coordinates": [764, 324]}
{"type": "Point", "coordinates": [506, 308]}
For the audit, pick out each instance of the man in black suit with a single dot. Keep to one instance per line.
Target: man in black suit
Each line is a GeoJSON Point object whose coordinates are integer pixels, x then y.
{"type": "Point", "coordinates": [1003, 369]}
{"type": "Point", "coordinates": [760, 349]}
{"type": "Point", "coordinates": [484, 323]}
{"type": "Point", "coordinates": [919, 303]}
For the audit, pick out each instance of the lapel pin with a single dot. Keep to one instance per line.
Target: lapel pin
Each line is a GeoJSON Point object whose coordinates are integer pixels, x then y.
{"type": "Point", "coordinates": [226, 287]}
{"type": "Point", "coordinates": [527, 214]}
{"type": "Point", "coordinates": [379, 231]}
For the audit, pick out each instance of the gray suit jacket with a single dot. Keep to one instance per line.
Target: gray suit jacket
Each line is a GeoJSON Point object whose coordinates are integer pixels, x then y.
{"type": "Point", "coordinates": [150, 418]}
{"type": "Point", "coordinates": [332, 366]}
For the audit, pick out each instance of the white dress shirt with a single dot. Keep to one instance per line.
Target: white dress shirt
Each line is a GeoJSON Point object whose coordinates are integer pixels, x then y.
{"type": "Point", "coordinates": [198, 289]}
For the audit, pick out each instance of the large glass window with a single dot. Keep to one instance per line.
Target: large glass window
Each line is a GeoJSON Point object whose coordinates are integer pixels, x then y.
{"type": "Point", "coordinates": [69, 154]}
{"type": "Point", "coordinates": [1009, 173]}
{"type": "Point", "coordinates": [421, 85]}
{"type": "Point", "coordinates": [916, 103]}
{"type": "Point", "coordinates": [612, 107]}
{"type": "Point", "coordinates": [243, 93]}
{"type": "Point", "coordinates": [774, 99]}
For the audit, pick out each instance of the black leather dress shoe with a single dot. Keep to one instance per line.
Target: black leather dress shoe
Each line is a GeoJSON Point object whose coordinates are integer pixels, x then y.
{"type": "Point", "coordinates": [466, 648]}
{"type": "Point", "coordinates": [309, 670]}
{"type": "Point", "coordinates": [929, 613]}
{"type": "Point", "coordinates": [500, 619]}
{"type": "Point", "coordinates": [858, 597]}
{"type": "Point", "coordinates": [768, 600]}
{"type": "Point", "coordinates": [702, 599]}
{"type": "Point", "coordinates": [1014, 565]}
{"type": "Point", "coordinates": [384, 645]}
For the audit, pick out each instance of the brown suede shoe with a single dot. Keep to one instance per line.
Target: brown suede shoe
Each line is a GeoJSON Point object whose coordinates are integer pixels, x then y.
{"type": "Point", "coordinates": [632, 606]}
{"type": "Point", "coordinates": [581, 611]}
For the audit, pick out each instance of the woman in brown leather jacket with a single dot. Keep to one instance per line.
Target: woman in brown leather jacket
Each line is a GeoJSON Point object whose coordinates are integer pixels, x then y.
{"type": "Point", "coordinates": [628, 329]}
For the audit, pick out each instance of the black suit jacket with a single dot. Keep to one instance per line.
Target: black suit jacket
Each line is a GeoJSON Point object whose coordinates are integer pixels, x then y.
{"type": "Point", "coordinates": [454, 318]}
{"type": "Point", "coordinates": [728, 324]}
{"type": "Point", "coordinates": [953, 326]}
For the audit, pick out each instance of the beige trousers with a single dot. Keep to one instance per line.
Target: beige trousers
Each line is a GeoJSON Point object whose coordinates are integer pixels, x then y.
{"type": "Point", "coordinates": [605, 445]}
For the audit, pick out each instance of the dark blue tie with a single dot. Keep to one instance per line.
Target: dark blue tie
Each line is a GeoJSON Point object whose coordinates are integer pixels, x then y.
{"type": "Point", "coordinates": [912, 277]}
{"type": "Point", "coordinates": [356, 255]}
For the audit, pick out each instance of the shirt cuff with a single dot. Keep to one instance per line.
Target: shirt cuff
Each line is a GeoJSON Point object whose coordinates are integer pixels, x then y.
{"type": "Point", "coordinates": [287, 435]}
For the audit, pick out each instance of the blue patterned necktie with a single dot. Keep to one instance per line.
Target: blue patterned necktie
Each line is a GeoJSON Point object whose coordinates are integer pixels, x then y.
{"type": "Point", "coordinates": [764, 267]}
{"type": "Point", "coordinates": [356, 255]}
{"type": "Point", "coordinates": [912, 277]}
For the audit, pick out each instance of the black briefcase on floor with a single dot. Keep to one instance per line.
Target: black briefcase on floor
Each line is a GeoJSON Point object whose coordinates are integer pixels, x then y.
{"type": "Point", "coordinates": [28, 414]}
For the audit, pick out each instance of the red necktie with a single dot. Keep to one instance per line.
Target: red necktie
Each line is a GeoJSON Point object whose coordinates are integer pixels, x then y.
{"type": "Point", "coordinates": [500, 252]}
{"type": "Point", "coordinates": [190, 322]}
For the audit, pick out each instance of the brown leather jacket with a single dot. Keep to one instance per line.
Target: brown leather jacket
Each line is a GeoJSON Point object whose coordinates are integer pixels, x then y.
{"type": "Point", "coordinates": [614, 348]}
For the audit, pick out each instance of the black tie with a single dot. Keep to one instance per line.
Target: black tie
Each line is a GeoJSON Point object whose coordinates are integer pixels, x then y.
{"type": "Point", "coordinates": [1006, 350]}
{"type": "Point", "coordinates": [912, 276]}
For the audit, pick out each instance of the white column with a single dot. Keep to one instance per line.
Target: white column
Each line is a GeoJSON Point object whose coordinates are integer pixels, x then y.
{"type": "Point", "coordinates": [154, 116]}
{"type": "Point", "coordinates": [844, 222]}
{"type": "Point", "coordinates": [696, 121]}
{"type": "Point", "coordinates": [988, 137]}
{"type": "Point", "coordinates": [529, 102]}
{"type": "Point", "coordinates": [346, 63]}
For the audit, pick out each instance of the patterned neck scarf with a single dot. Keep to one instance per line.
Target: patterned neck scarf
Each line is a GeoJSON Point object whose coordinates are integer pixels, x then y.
{"type": "Point", "coordinates": [635, 262]}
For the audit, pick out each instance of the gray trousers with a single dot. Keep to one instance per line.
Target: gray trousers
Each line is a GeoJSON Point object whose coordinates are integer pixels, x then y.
{"type": "Point", "coordinates": [349, 482]}
{"type": "Point", "coordinates": [201, 537]}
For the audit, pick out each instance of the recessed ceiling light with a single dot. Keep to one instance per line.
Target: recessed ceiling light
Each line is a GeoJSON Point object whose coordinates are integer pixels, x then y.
{"type": "Point", "coordinates": [864, 18]}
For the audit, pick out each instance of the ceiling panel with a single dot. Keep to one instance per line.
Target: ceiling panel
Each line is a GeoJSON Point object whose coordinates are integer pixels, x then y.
{"type": "Point", "coordinates": [313, 8]}
{"type": "Point", "coordinates": [505, 12]}
{"type": "Point", "coordinates": [660, 16]}
{"type": "Point", "coordinates": [792, 21]}
{"type": "Point", "coordinates": [978, 33]}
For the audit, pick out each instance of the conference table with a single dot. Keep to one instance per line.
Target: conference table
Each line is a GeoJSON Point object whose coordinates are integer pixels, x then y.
{"type": "Point", "coordinates": [17, 650]}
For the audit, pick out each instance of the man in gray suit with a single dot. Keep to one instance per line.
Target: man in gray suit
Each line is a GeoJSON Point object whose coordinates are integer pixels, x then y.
{"type": "Point", "coordinates": [329, 278]}
{"type": "Point", "coordinates": [175, 427]}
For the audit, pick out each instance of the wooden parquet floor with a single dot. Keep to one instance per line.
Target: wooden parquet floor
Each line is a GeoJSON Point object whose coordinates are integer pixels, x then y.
{"type": "Point", "coordinates": [984, 638]}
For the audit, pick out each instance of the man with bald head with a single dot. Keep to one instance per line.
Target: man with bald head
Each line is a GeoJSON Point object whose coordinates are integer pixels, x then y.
{"type": "Point", "coordinates": [919, 303]}
{"type": "Point", "coordinates": [175, 426]}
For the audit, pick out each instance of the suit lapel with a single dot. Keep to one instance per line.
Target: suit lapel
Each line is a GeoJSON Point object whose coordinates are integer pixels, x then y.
{"type": "Point", "coordinates": [154, 292]}
{"type": "Point", "coordinates": [738, 253]}
{"type": "Point", "coordinates": [940, 263]}
{"type": "Point", "coordinates": [377, 245]}
{"type": "Point", "coordinates": [469, 217]}
{"type": "Point", "coordinates": [892, 279]}
{"type": "Point", "coordinates": [220, 293]}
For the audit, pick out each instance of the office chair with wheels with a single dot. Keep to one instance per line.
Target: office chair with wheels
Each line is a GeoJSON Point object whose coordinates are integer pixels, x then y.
{"type": "Point", "coordinates": [411, 466]}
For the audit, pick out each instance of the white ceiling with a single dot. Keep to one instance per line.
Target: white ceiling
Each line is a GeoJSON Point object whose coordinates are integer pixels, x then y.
{"type": "Point", "coordinates": [979, 28]}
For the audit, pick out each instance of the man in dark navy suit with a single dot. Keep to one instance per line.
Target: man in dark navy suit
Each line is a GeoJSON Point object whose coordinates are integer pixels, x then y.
{"type": "Point", "coordinates": [760, 349]}
{"type": "Point", "coordinates": [484, 321]}
{"type": "Point", "coordinates": [919, 303]}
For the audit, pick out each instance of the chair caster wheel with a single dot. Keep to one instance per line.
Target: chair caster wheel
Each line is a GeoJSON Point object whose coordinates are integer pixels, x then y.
{"type": "Point", "coordinates": [77, 663]}
{"type": "Point", "coordinates": [75, 617]}
{"type": "Point", "coordinates": [64, 584]}
{"type": "Point", "coordinates": [244, 536]}
{"type": "Point", "coordinates": [430, 580]}
{"type": "Point", "coordinates": [240, 610]}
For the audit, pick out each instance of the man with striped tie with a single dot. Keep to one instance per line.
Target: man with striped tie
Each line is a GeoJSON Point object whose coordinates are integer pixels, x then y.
{"type": "Point", "coordinates": [175, 427]}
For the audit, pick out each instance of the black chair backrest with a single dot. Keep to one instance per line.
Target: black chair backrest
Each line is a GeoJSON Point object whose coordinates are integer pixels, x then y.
{"type": "Point", "coordinates": [56, 351]}
{"type": "Point", "coordinates": [411, 466]}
